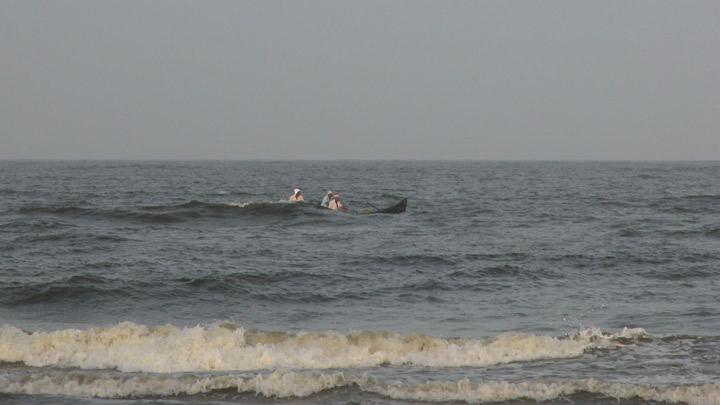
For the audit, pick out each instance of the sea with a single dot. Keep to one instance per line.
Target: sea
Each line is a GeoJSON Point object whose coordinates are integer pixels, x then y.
{"type": "Point", "coordinates": [196, 282]}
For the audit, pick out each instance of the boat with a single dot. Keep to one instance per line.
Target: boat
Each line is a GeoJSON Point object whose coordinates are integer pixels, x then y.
{"type": "Point", "coordinates": [398, 208]}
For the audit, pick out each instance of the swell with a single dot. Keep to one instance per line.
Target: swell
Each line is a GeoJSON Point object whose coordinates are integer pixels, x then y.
{"type": "Point", "coordinates": [231, 282]}
{"type": "Point", "coordinates": [683, 204]}
{"type": "Point", "coordinates": [546, 390]}
{"type": "Point", "coordinates": [131, 347]}
{"type": "Point", "coordinates": [69, 210]}
{"type": "Point", "coordinates": [80, 288]}
{"type": "Point", "coordinates": [35, 225]}
{"type": "Point", "coordinates": [276, 286]}
{"type": "Point", "coordinates": [223, 207]}
{"type": "Point", "coordinates": [270, 287]}
{"type": "Point", "coordinates": [690, 204]}
{"type": "Point", "coordinates": [681, 273]}
{"type": "Point", "coordinates": [180, 212]}
{"type": "Point", "coordinates": [289, 384]}
{"type": "Point", "coordinates": [69, 238]}
{"type": "Point", "coordinates": [444, 260]}
{"type": "Point", "coordinates": [410, 260]}
{"type": "Point", "coordinates": [107, 214]}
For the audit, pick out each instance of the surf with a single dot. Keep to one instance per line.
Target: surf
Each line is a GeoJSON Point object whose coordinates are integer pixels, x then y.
{"type": "Point", "coordinates": [131, 347]}
{"type": "Point", "coordinates": [303, 384]}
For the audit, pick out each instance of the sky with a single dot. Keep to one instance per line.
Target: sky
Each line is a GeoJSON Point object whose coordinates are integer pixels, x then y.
{"type": "Point", "coordinates": [488, 80]}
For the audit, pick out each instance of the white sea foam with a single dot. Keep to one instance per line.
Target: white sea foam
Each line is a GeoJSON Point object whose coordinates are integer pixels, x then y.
{"type": "Point", "coordinates": [277, 384]}
{"type": "Point", "coordinates": [283, 384]}
{"type": "Point", "coordinates": [493, 391]}
{"type": "Point", "coordinates": [251, 204]}
{"type": "Point", "coordinates": [132, 347]}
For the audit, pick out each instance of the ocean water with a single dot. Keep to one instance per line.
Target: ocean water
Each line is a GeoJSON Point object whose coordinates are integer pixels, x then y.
{"type": "Point", "coordinates": [504, 282]}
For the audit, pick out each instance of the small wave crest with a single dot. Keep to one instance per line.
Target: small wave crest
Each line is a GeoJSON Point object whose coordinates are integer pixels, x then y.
{"type": "Point", "coordinates": [279, 384]}
{"type": "Point", "coordinates": [256, 208]}
{"type": "Point", "coordinates": [75, 288]}
{"type": "Point", "coordinates": [287, 384]}
{"type": "Point", "coordinates": [69, 210]}
{"type": "Point", "coordinates": [101, 213]}
{"type": "Point", "coordinates": [690, 204]}
{"type": "Point", "coordinates": [131, 347]}
{"type": "Point", "coordinates": [69, 237]}
{"type": "Point", "coordinates": [496, 391]}
{"type": "Point", "coordinates": [222, 206]}
{"type": "Point", "coordinates": [178, 213]}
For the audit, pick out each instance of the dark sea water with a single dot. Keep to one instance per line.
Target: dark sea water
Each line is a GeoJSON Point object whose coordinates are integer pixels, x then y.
{"type": "Point", "coordinates": [509, 282]}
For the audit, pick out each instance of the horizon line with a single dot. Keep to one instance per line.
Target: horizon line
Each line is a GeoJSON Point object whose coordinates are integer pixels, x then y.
{"type": "Point", "coordinates": [649, 160]}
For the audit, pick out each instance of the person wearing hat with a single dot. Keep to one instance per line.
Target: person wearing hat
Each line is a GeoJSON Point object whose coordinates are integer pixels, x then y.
{"type": "Point", "coordinates": [336, 204]}
{"type": "Point", "coordinates": [297, 196]}
{"type": "Point", "coordinates": [326, 200]}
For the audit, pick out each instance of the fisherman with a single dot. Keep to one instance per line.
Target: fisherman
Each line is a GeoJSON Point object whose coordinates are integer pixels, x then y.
{"type": "Point", "coordinates": [297, 196]}
{"type": "Point", "coordinates": [326, 200]}
{"type": "Point", "coordinates": [336, 204]}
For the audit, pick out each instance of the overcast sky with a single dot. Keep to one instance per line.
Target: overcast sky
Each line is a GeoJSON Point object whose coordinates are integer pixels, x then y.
{"type": "Point", "coordinates": [359, 79]}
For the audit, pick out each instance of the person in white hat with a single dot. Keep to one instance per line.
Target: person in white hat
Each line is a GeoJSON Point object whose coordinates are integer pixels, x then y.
{"type": "Point", "coordinates": [297, 196]}
{"type": "Point", "coordinates": [326, 200]}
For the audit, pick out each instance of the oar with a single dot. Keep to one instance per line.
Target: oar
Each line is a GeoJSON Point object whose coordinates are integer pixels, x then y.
{"type": "Point", "coordinates": [376, 208]}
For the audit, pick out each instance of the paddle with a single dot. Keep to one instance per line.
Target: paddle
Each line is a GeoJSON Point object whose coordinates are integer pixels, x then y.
{"type": "Point", "coordinates": [376, 208]}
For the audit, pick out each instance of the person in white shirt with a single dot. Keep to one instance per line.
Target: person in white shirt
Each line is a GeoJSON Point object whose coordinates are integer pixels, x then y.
{"type": "Point", "coordinates": [336, 204]}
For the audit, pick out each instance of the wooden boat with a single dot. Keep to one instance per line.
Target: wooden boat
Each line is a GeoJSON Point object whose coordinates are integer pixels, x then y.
{"type": "Point", "coordinates": [394, 209]}
{"type": "Point", "coordinates": [397, 208]}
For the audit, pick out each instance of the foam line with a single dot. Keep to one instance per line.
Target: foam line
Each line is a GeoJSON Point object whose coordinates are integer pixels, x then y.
{"type": "Point", "coordinates": [131, 347]}
{"type": "Point", "coordinates": [284, 384]}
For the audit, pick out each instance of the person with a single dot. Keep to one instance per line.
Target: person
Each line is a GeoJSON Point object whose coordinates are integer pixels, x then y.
{"type": "Point", "coordinates": [326, 200]}
{"type": "Point", "coordinates": [336, 204]}
{"type": "Point", "coordinates": [297, 196]}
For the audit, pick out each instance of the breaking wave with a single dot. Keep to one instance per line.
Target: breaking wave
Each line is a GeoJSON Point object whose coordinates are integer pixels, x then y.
{"type": "Point", "coordinates": [277, 384]}
{"type": "Point", "coordinates": [494, 391]}
{"type": "Point", "coordinates": [223, 347]}
{"type": "Point", "coordinates": [286, 384]}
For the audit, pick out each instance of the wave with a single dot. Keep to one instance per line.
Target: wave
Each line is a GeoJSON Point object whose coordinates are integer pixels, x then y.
{"type": "Point", "coordinates": [33, 225]}
{"type": "Point", "coordinates": [231, 282]}
{"type": "Point", "coordinates": [630, 233]}
{"type": "Point", "coordinates": [131, 347]}
{"type": "Point", "coordinates": [702, 197]}
{"type": "Point", "coordinates": [232, 206]}
{"type": "Point", "coordinates": [288, 384]}
{"type": "Point", "coordinates": [499, 271]}
{"type": "Point", "coordinates": [713, 232]}
{"type": "Point", "coordinates": [495, 391]}
{"type": "Point", "coordinates": [691, 204]}
{"type": "Point", "coordinates": [180, 212]}
{"type": "Point", "coordinates": [70, 238]}
{"type": "Point", "coordinates": [70, 210]}
{"type": "Point", "coordinates": [414, 261]}
{"type": "Point", "coordinates": [260, 286]}
{"type": "Point", "coordinates": [86, 288]}
{"type": "Point", "coordinates": [680, 273]}
{"type": "Point", "coordinates": [110, 214]}
{"type": "Point", "coordinates": [79, 288]}
{"type": "Point", "coordinates": [278, 384]}
{"type": "Point", "coordinates": [708, 231]}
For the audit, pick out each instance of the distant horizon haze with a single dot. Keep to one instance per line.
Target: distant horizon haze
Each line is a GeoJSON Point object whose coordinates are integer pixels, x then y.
{"type": "Point", "coordinates": [371, 80]}
{"type": "Point", "coordinates": [359, 160]}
